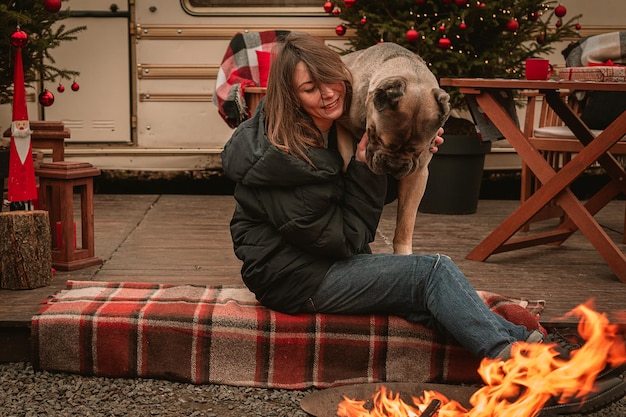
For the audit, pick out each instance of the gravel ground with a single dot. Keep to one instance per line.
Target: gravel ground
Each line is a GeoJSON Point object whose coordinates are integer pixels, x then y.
{"type": "Point", "coordinates": [24, 392]}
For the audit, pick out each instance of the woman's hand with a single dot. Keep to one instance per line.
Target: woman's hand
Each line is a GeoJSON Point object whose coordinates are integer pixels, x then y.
{"type": "Point", "coordinates": [360, 149]}
{"type": "Point", "coordinates": [434, 145]}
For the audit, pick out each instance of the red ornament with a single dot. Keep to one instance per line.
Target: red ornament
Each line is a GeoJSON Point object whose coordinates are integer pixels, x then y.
{"type": "Point", "coordinates": [340, 30]}
{"type": "Point", "coordinates": [349, 3]}
{"type": "Point", "coordinates": [46, 98]}
{"type": "Point", "coordinates": [52, 6]}
{"type": "Point", "coordinates": [578, 26]}
{"type": "Point", "coordinates": [412, 35]}
{"type": "Point", "coordinates": [336, 11]}
{"type": "Point", "coordinates": [541, 38]}
{"type": "Point", "coordinates": [442, 28]}
{"type": "Point", "coordinates": [559, 24]}
{"type": "Point", "coordinates": [328, 6]}
{"type": "Point", "coordinates": [75, 86]}
{"type": "Point", "coordinates": [461, 2]}
{"type": "Point", "coordinates": [61, 88]}
{"type": "Point", "coordinates": [512, 25]}
{"type": "Point", "coordinates": [19, 38]}
{"type": "Point", "coordinates": [420, 1]}
{"type": "Point", "coordinates": [364, 20]}
{"type": "Point", "coordinates": [463, 26]}
{"type": "Point", "coordinates": [444, 43]}
{"type": "Point", "coordinates": [533, 16]}
{"type": "Point", "coordinates": [560, 11]}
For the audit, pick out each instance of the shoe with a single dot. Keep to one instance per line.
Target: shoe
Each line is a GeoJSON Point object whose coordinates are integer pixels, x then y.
{"type": "Point", "coordinates": [565, 343]}
{"type": "Point", "coordinates": [606, 392]}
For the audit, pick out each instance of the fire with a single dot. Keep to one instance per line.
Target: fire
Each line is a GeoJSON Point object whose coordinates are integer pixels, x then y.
{"type": "Point", "coordinates": [520, 386]}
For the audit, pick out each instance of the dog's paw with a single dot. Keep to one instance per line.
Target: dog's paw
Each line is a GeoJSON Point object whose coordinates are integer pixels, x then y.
{"type": "Point", "coordinates": [402, 249]}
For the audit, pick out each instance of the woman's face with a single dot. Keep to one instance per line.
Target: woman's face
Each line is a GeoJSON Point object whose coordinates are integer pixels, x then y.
{"type": "Point", "coordinates": [323, 102]}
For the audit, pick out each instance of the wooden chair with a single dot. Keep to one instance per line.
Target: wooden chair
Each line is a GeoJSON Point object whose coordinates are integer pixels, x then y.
{"type": "Point", "coordinates": [557, 144]}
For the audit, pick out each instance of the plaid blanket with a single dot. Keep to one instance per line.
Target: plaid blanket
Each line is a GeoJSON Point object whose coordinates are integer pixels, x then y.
{"type": "Point", "coordinates": [597, 49]}
{"type": "Point", "coordinates": [220, 334]}
{"type": "Point", "coordinates": [240, 69]}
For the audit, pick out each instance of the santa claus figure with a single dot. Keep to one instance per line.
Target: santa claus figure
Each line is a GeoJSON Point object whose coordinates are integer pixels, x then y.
{"type": "Point", "coordinates": [22, 185]}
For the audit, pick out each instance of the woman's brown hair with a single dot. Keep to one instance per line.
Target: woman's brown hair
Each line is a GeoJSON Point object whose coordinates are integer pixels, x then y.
{"type": "Point", "coordinates": [289, 127]}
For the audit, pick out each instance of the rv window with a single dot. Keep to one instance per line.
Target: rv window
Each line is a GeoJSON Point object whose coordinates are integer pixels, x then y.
{"type": "Point", "coordinates": [252, 3]}
{"type": "Point", "coordinates": [252, 7]}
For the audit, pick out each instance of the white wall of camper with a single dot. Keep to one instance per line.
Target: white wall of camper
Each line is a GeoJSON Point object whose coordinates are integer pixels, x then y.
{"type": "Point", "coordinates": [147, 79]}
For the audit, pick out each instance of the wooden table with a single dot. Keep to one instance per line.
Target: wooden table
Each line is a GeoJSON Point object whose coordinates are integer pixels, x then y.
{"type": "Point", "coordinates": [555, 185]}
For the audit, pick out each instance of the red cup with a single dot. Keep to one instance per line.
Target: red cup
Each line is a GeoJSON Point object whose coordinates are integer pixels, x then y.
{"type": "Point", "coordinates": [538, 69]}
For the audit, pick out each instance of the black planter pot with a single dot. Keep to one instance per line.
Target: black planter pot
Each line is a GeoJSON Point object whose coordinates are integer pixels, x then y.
{"type": "Point", "coordinates": [456, 172]}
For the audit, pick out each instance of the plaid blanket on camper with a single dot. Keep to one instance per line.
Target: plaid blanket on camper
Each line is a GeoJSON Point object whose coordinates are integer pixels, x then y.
{"type": "Point", "coordinates": [220, 334]}
{"type": "Point", "coordinates": [597, 49]}
{"type": "Point", "coordinates": [240, 69]}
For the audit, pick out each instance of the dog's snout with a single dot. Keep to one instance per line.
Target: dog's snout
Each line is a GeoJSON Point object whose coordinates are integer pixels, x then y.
{"type": "Point", "coordinates": [398, 167]}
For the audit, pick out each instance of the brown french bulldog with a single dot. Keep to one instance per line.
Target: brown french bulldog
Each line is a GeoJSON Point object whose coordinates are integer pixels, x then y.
{"type": "Point", "coordinates": [398, 102]}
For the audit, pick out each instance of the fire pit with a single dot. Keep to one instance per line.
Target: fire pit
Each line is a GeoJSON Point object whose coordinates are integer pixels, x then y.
{"type": "Point", "coordinates": [324, 403]}
{"type": "Point", "coordinates": [535, 381]}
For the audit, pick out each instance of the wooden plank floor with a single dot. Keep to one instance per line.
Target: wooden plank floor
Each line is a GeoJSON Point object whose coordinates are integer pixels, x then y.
{"type": "Point", "coordinates": [184, 239]}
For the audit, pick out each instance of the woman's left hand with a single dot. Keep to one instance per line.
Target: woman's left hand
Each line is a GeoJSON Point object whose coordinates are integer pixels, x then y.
{"type": "Point", "coordinates": [359, 155]}
{"type": "Point", "coordinates": [434, 146]}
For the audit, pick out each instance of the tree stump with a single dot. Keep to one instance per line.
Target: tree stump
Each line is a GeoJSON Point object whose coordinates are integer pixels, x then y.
{"type": "Point", "coordinates": [25, 250]}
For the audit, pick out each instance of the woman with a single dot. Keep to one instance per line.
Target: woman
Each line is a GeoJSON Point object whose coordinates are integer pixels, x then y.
{"type": "Point", "coordinates": [302, 224]}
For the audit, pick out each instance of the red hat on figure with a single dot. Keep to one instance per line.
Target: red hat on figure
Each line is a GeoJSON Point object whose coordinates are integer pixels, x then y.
{"type": "Point", "coordinates": [22, 184]}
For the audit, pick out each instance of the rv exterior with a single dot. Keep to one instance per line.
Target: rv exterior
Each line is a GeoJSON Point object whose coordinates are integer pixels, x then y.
{"type": "Point", "coordinates": [148, 70]}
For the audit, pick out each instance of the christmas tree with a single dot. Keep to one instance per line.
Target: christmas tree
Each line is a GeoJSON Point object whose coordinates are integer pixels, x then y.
{"type": "Point", "coordinates": [460, 38]}
{"type": "Point", "coordinates": [39, 19]}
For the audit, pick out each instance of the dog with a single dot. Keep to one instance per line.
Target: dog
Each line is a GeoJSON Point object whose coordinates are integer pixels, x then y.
{"type": "Point", "coordinates": [398, 102]}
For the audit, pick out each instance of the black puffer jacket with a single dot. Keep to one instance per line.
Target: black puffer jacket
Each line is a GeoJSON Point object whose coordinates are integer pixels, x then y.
{"type": "Point", "coordinates": [293, 220]}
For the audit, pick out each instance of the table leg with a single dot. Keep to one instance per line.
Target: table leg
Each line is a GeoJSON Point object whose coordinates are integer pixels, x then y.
{"type": "Point", "coordinates": [555, 185]}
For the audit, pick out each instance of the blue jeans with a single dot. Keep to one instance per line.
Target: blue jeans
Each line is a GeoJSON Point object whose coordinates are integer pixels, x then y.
{"type": "Point", "coordinates": [424, 289]}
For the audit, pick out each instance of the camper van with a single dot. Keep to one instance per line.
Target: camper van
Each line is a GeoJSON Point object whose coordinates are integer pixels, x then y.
{"type": "Point", "coordinates": [148, 70]}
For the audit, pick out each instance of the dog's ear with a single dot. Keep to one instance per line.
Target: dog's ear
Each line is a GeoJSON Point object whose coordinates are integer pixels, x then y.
{"type": "Point", "coordinates": [389, 93]}
{"type": "Point", "coordinates": [443, 99]}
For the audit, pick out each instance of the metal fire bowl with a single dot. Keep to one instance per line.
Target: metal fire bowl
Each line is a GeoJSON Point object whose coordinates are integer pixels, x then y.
{"type": "Point", "coordinates": [324, 403]}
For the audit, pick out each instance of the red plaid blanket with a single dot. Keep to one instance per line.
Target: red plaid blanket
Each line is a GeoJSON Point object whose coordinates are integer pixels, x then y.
{"type": "Point", "coordinates": [220, 334]}
{"type": "Point", "coordinates": [240, 69]}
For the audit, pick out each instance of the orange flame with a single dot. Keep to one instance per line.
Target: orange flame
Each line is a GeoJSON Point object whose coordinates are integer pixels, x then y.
{"type": "Point", "coordinates": [523, 384]}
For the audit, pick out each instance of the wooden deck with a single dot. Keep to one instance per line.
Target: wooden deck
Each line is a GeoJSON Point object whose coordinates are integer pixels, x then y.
{"type": "Point", "coordinates": [184, 239]}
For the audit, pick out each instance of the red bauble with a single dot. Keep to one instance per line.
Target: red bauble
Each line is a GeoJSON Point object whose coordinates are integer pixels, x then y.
{"type": "Point", "coordinates": [75, 86]}
{"type": "Point", "coordinates": [512, 25]}
{"type": "Point", "coordinates": [61, 88]}
{"type": "Point", "coordinates": [560, 11]}
{"type": "Point", "coordinates": [578, 26]}
{"type": "Point", "coordinates": [463, 26]}
{"type": "Point", "coordinates": [420, 1]}
{"type": "Point", "coordinates": [444, 43]}
{"type": "Point", "coordinates": [541, 38]}
{"type": "Point", "coordinates": [19, 39]}
{"type": "Point", "coordinates": [559, 24]}
{"type": "Point", "coordinates": [349, 3]}
{"type": "Point", "coordinates": [328, 6]}
{"type": "Point", "coordinates": [460, 2]}
{"type": "Point", "coordinates": [364, 20]}
{"type": "Point", "coordinates": [52, 6]}
{"type": "Point", "coordinates": [442, 28]}
{"type": "Point", "coordinates": [336, 11]}
{"type": "Point", "coordinates": [340, 30]}
{"type": "Point", "coordinates": [412, 35]}
{"type": "Point", "coordinates": [46, 98]}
